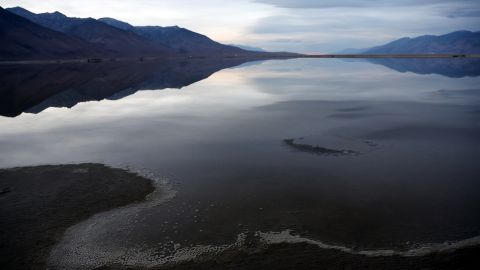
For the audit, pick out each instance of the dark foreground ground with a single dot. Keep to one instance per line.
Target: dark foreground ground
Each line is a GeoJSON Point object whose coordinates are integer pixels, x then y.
{"type": "Point", "coordinates": [37, 204]}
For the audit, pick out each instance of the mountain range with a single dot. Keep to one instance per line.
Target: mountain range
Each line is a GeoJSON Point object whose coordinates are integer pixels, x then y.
{"type": "Point", "coordinates": [25, 35]}
{"type": "Point", "coordinates": [459, 42]}
{"type": "Point", "coordinates": [28, 35]}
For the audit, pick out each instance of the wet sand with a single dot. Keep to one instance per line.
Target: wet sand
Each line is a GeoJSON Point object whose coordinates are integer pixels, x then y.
{"type": "Point", "coordinates": [39, 203]}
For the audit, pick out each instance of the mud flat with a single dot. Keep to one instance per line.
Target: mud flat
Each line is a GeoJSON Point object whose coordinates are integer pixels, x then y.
{"type": "Point", "coordinates": [37, 204]}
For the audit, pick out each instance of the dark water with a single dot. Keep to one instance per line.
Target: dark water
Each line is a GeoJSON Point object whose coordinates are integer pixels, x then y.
{"type": "Point", "coordinates": [406, 134]}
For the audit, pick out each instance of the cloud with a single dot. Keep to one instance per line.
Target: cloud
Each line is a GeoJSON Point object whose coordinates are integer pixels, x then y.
{"type": "Point", "coordinates": [464, 13]}
{"type": "Point", "coordinates": [360, 3]}
{"type": "Point", "coordinates": [329, 26]}
{"type": "Point", "coordinates": [447, 8]}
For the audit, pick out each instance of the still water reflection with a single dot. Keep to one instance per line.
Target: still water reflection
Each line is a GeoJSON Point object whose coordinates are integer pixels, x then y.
{"type": "Point", "coordinates": [221, 143]}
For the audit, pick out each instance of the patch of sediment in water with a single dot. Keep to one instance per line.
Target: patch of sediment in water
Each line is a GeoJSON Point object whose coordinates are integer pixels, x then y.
{"type": "Point", "coordinates": [317, 150]}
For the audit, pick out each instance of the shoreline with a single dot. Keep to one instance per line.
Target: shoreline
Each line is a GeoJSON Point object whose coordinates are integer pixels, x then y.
{"type": "Point", "coordinates": [447, 55]}
{"type": "Point", "coordinates": [279, 251]}
{"type": "Point", "coordinates": [306, 256]}
{"type": "Point", "coordinates": [42, 202]}
{"type": "Point", "coordinates": [97, 60]}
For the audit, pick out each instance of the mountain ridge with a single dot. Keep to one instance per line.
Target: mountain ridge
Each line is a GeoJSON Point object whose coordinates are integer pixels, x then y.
{"type": "Point", "coordinates": [117, 41]}
{"type": "Point", "coordinates": [180, 39]}
{"type": "Point", "coordinates": [104, 38]}
{"type": "Point", "coordinates": [458, 42]}
{"type": "Point", "coordinates": [42, 42]}
{"type": "Point", "coordinates": [171, 39]}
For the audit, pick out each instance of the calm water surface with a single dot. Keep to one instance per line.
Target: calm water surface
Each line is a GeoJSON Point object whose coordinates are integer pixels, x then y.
{"type": "Point", "coordinates": [406, 172]}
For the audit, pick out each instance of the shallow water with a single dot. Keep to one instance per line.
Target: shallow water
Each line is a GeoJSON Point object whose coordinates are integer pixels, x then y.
{"type": "Point", "coordinates": [220, 142]}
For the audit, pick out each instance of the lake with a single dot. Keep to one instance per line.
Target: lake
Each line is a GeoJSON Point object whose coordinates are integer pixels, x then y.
{"type": "Point", "coordinates": [359, 156]}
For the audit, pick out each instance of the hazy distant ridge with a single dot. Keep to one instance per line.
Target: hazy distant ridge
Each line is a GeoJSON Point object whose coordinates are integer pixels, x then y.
{"type": "Point", "coordinates": [465, 42]}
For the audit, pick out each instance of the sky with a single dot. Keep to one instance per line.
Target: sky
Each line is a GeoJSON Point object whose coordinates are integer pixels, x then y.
{"type": "Point", "coordinates": [307, 26]}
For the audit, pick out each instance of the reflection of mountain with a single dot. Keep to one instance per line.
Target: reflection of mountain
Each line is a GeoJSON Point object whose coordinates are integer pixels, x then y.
{"type": "Point", "coordinates": [34, 88]}
{"type": "Point", "coordinates": [455, 68]}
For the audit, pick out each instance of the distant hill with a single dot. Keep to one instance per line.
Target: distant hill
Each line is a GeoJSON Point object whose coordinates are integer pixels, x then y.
{"type": "Point", "coordinates": [21, 38]}
{"type": "Point", "coordinates": [465, 42]}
